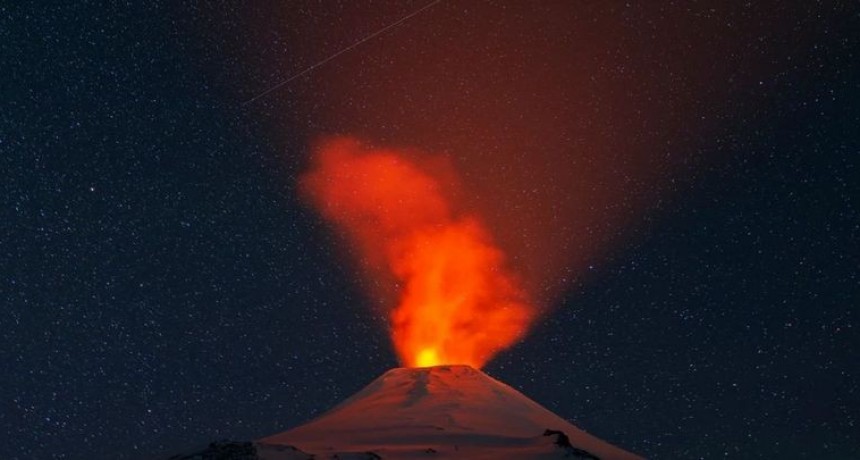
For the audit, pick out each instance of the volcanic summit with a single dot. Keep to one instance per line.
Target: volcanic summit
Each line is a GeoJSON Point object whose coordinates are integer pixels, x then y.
{"type": "Point", "coordinates": [437, 412]}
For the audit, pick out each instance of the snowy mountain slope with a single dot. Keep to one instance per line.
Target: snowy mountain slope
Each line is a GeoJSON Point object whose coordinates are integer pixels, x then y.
{"type": "Point", "coordinates": [437, 412]}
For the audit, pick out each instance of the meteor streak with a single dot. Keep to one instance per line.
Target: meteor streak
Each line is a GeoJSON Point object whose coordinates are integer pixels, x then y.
{"type": "Point", "coordinates": [344, 50]}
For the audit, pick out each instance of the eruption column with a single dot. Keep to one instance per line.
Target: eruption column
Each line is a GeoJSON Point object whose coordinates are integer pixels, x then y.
{"type": "Point", "coordinates": [457, 301]}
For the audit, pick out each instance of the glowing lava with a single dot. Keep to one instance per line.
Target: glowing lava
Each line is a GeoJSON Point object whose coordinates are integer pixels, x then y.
{"type": "Point", "coordinates": [457, 302]}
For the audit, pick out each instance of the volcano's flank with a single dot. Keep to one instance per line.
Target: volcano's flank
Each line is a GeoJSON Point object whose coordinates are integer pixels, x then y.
{"type": "Point", "coordinates": [446, 411]}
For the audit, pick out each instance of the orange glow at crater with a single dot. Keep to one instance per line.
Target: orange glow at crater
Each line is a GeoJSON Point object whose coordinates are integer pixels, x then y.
{"type": "Point", "coordinates": [456, 300]}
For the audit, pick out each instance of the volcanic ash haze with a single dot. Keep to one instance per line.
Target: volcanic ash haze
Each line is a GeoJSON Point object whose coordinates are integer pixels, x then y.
{"type": "Point", "coordinates": [438, 412]}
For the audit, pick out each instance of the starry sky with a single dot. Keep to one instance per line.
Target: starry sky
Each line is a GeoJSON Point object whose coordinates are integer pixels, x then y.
{"type": "Point", "coordinates": [676, 182]}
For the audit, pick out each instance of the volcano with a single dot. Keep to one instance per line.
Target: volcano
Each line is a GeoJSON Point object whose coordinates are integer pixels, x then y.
{"type": "Point", "coordinates": [437, 412]}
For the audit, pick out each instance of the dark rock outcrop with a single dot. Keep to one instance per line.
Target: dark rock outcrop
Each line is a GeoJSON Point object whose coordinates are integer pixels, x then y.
{"type": "Point", "coordinates": [563, 441]}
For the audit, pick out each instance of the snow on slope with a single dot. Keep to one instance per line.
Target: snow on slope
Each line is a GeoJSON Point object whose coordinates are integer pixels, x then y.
{"type": "Point", "coordinates": [437, 412]}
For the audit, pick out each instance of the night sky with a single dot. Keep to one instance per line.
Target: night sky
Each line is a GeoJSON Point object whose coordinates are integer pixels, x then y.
{"type": "Point", "coordinates": [676, 182]}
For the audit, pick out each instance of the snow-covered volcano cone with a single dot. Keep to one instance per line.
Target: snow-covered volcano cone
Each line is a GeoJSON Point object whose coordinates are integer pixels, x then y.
{"type": "Point", "coordinates": [437, 412]}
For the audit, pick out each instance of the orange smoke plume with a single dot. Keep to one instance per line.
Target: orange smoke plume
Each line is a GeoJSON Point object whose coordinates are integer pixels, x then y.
{"type": "Point", "coordinates": [457, 302]}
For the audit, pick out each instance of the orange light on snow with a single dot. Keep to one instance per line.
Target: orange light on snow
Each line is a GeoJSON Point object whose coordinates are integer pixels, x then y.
{"type": "Point", "coordinates": [457, 302]}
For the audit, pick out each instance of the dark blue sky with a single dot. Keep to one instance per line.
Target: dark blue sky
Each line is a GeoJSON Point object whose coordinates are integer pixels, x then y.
{"type": "Point", "coordinates": [162, 285]}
